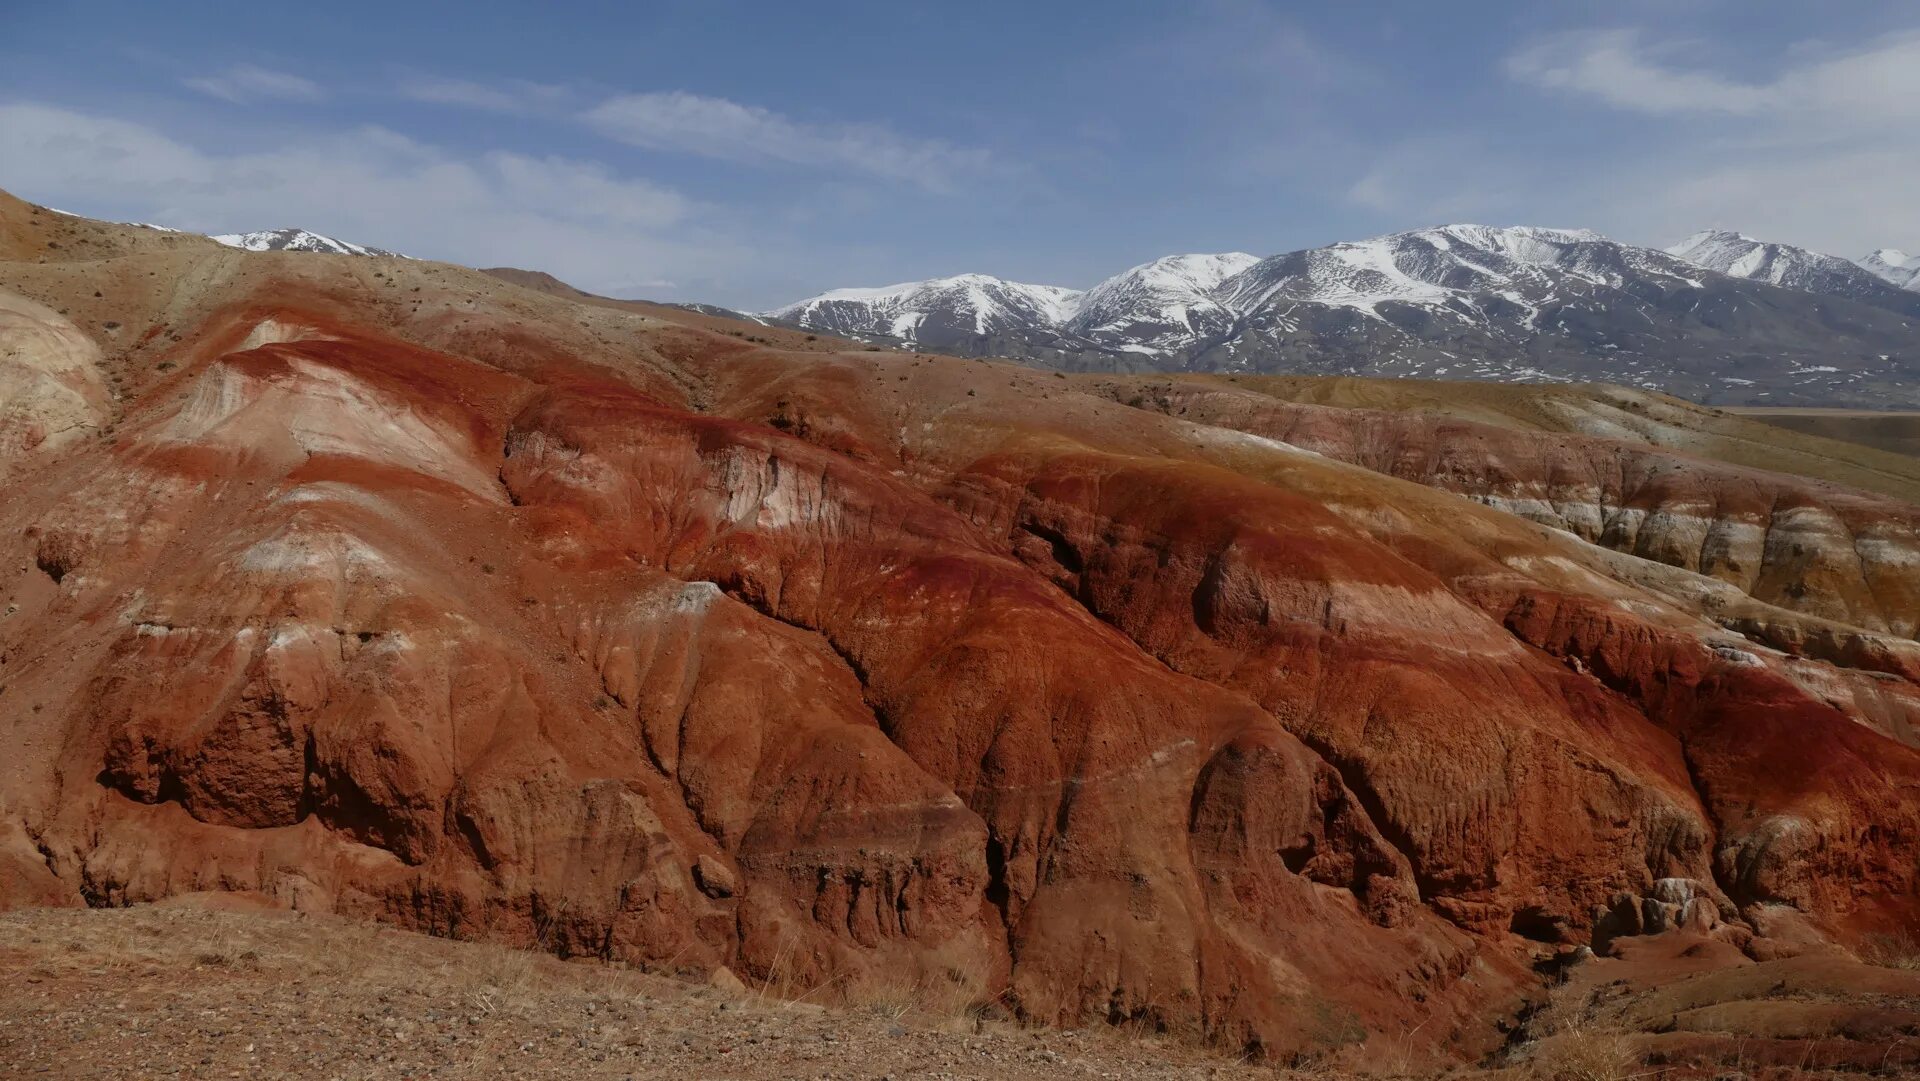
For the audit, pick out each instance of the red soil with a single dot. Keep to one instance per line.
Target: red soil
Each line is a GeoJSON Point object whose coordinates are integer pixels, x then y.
{"type": "Point", "coordinates": [493, 614]}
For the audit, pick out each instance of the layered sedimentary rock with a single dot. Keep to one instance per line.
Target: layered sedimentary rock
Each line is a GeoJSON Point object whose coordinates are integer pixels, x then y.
{"type": "Point", "coordinates": [387, 588]}
{"type": "Point", "coordinates": [1804, 545]}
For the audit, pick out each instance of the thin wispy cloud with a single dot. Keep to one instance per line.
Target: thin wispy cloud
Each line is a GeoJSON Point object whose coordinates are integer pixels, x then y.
{"type": "Point", "coordinates": [578, 219]}
{"type": "Point", "coordinates": [247, 83]}
{"type": "Point", "coordinates": [1821, 151]}
{"type": "Point", "coordinates": [517, 97]}
{"type": "Point", "coordinates": [679, 122]}
{"type": "Point", "coordinates": [1868, 85]}
{"type": "Point", "coordinates": [1080, 145]}
{"type": "Point", "coordinates": [1815, 145]}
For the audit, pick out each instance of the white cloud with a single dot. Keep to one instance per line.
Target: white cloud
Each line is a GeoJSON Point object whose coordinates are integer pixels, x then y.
{"type": "Point", "coordinates": [717, 128]}
{"type": "Point", "coordinates": [245, 83]}
{"type": "Point", "coordinates": [1612, 65]}
{"type": "Point", "coordinates": [1846, 198]}
{"type": "Point", "coordinates": [1819, 146]}
{"type": "Point", "coordinates": [577, 219]}
{"type": "Point", "coordinates": [708, 127]}
{"type": "Point", "coordinates": [1867, 86]}
{"type": "Point", "coordinates": [518, 96]}
{"type": "Point", "coordinates": [1438, 177]}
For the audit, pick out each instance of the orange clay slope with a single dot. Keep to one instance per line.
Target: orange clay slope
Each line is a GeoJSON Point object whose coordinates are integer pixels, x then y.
{"type": "Point", "coordinates": [391, 589]}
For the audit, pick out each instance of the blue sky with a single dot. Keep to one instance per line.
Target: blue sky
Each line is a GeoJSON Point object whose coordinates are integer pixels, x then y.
{"type": "Point", "coordinates": [751, 154]}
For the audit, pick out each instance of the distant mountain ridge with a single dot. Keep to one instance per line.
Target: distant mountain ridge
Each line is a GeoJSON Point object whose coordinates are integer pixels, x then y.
{"type": "Point", "coordinates": [1894, 265]}
{"type": "Point", "coordinates": [935, 311]}
{"type": "Point", "coordinates": [1742, 256]}
{"type": "Point", "coordinates": [1159, 305]}
{"type": "Point", "coordinates": [295, 239]}
{"type": "Point", "coordinates": [1719, 318]}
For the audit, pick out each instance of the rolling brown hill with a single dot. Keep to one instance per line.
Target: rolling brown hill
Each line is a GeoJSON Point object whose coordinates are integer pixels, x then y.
{"type": "Point", "coordinates": [395, 590]}
{"type": "Point", "coordinates": [1898, 432]}
{"type": "Point", "coordinates": [1735, 436]}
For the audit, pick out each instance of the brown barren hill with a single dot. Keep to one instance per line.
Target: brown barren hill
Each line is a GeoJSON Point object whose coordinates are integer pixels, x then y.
{"type": "Point", "coordinates": [1894, 431]}
{"type": "Point", "coordinates": [391, 590]}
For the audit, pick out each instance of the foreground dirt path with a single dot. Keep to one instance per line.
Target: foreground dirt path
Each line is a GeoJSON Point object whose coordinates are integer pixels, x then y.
{"type": "Point", "coordinates": [184, 992]}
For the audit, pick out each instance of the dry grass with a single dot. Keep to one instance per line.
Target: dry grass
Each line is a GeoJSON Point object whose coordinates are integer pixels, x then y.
{"type": "Point", "coordinates": [227, 948]}
{"type": "Point", "coordinates": [1572, 1042]}
{"type": "Point", "coordinates": [1899, 949]}
{"type": "Point", "coordinates": [938, 1000]}
{"type": "Point", "coordinates": [1584, 1053]}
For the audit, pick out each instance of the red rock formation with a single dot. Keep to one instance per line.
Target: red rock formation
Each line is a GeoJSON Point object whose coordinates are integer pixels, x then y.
{"type": "Point", "coordinates": [1803, 545]}
{"type": "Point", "coordinates": [418, 596]}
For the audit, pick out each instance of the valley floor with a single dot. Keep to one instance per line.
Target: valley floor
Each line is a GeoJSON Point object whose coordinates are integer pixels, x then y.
{"type": "Point", "coordinates": [186, 990]}
{"type": "Point", "coordinates": [178, 991]}
{"type": "Point", "coordinates": [1897, 431]}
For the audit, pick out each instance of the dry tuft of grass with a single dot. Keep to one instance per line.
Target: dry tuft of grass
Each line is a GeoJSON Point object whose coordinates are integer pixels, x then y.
{"type": "Point", "coordinates": [1581, 1053]}
{"type": "Point", "coordinates": [941, 1000]}
{"type": "Point", "coordinates": [1899, 949]}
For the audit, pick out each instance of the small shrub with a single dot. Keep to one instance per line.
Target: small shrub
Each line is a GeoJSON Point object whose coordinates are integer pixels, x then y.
{"type": "Point", "coordinates": [1579, 1053]}
{"type": "Point", "coordinates": [1896, 950]}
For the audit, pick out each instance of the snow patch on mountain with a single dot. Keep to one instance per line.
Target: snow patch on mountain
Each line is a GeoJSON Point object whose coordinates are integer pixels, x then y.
{"type": "Point", "coordinates": [296, 240]}
{"type": "Point", "coordinates": [1743, 256]}
{"type": "Point", "coordinates": [1171, 282]}
{"type": "Point", "coordinates": [973, 303]}
{"type": "Point", "coordinates": [1183, 301]}
{"type": "Point", "coordinates": [1458, 269]}
{"type": "Point", "coordinates": [1894, 266]}
{"type": "Point", "coordinates": [1756, 323]}
{"type": "Point", "coordinates": [1160, 305]}
{"type": "Point", "coordinates": [1357, 274]}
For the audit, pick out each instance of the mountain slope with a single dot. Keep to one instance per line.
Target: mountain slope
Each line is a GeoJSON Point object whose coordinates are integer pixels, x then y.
{"type": "Point", "coordinates": [1611, 412]}
{"type": "Point", "coordinates": [1541, 304]}
{"type": "Point", "coordinates": [398, 590]}
{"type": "Point", "coordinates": [1442, 267]}
{"type": "Point", "coordinates": [1159, 307]}
{"type": "Point", "coordinates": [1741, 256]}
{"type": "Point", "coordinates": [935, 312]}
{"type": "Point", "coordinates": [1894, 266]}
{"type": "Point", "coordinates": [1460, 301]}
{"type": "Point", "coordinates": [296, 240]}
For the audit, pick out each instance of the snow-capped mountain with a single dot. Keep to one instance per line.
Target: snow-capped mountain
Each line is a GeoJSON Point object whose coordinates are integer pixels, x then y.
{"type": "Point", "coordinates": [1460, 269]}
{"type": "Point", "coordinates": [723, 313]}
{"type": "Point", "coordinates": [1895, 266]}
{"type": "Point", "coordinates": [1457, 301]}
{"type": "Point", "coordinates": [1155, 307]}
{"type": "Point", "coordinates": [1782, 264]}
{"type": "Point", "coordinates": [296, 240]}
{"type": "Point", "coordinates": [1160, 306]}
{"type": "Point", "coordinates": [944, 313]}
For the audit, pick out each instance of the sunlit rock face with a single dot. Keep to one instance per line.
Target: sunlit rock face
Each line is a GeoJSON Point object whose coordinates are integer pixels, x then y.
{"type": "Point", "coordinates": [382, 587]}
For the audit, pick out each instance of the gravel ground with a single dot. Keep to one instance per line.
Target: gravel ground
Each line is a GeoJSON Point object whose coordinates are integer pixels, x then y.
{"type": "Point", "coordinates": [186, 992]}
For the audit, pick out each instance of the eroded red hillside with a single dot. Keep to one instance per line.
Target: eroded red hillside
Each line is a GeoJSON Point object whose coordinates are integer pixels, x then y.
{"type": "Point", "coordinates": [389, 589]}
